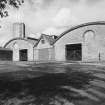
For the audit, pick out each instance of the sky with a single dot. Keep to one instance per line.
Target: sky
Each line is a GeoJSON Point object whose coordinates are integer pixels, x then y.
{"type": "Point", "coordinates": [51, 17]}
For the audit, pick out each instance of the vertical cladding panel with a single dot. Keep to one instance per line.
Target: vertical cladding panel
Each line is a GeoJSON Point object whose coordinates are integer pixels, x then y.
{"type": "Point", "coordinates": [46, 54]}
{"type": "Point", "coordinates": [51, 54]}
{"type": "Point", "coordinates": [43, 54]}
{"type": "Point", "coordinates": [35, 55]}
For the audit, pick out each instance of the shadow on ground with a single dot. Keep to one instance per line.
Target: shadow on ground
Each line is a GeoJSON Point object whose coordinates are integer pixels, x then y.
{"type": "Point", "coordinates": [47, 89]}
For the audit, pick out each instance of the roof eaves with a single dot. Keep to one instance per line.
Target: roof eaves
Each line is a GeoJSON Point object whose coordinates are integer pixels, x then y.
{"type": "Point", "coordinates": [38, 41]}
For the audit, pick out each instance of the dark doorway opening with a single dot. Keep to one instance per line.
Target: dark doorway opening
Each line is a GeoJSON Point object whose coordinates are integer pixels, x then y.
{"type": "Point", "coordinates": [23, 55]}
{"type": "Point", "coordinates": [74, 52]}
{"type": "Point", "coordinates": [6, 55]}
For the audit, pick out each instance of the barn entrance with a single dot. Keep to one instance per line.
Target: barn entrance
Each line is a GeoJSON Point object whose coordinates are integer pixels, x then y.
{"type": "Point", "coordinates": [23, 55]}
{"type": "Point", "coordinates": [6, 55]}
{"type": "Point", "coordinates": [74, 52]}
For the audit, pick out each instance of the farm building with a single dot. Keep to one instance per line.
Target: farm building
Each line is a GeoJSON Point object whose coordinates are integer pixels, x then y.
{"type": "Point", "coordinates": [85, 42]}
{"type": "Point", "coordinates": [21, 45]}
{"type": "Point", "coordinates": [22, 48]}
{"type": "Point", "coordinates": [44, 49]}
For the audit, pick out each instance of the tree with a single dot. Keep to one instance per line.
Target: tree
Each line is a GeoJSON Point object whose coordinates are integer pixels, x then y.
{"type": "Point", "coordinates": [5, 3]}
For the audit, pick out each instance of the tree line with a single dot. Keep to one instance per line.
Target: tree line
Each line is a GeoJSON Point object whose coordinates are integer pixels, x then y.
{"type": "Point", "coordinates": [5, 3]}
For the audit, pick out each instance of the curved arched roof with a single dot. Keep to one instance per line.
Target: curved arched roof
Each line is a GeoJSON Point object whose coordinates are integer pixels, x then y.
{"type": "Point", "coordinates": [28, 40]}
{"type": "Point", "coordinates": [79, 26]}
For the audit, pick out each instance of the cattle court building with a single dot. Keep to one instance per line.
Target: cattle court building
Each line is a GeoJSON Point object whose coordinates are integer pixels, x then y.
{"type": "Point", "coordinates": [21, 45]}
{"type": "Point", "coordinates": [85, 42]}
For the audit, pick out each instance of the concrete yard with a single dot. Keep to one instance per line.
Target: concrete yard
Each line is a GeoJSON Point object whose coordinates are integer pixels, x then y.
{"type": "Point", "coordinates": [57, 83]}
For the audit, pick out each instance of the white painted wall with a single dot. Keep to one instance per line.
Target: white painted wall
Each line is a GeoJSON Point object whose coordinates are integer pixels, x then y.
{"type": "Point", "coordinates": [46, 46]}
{"type": "Point", "coordinates": [90, 50]}
{"type": "Point", "coordinates": [17, 45]}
